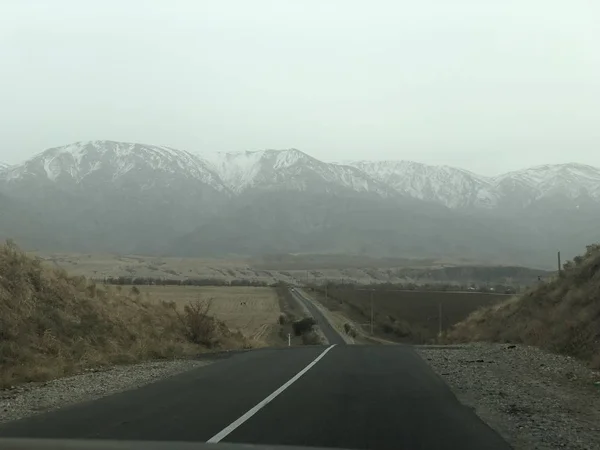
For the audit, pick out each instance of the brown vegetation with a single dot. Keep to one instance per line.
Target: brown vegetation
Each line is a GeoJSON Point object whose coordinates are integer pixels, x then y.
{"type": "Point", "coordinates": [562, 315]}
{"type": "Point", "coordinates": [242, 308]}
{"type": "Point", "coordinates": [303, 326]}
{"type": "Point", "coordinates": [53, 324]}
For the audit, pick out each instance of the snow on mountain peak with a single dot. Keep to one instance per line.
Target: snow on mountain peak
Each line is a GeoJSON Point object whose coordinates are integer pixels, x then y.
{"type": "Point", "coordinates": [294, 170]}
{"type": "Point", "coordinates": [549, 172]}
{"type": "Point", "coordinates": [447, 185]}
{"type": "Point", "coordinates": [261, 168]}
{"type": "Point", "coordinates": [572, 180]}
{"type": "Point", "coordinates": [111, 161]}
{"type": "Point", "coordinates": [237, 170]}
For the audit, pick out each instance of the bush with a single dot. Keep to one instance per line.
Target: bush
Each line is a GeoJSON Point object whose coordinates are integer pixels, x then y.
{"type": "Point", "coordinates": [349, 329]}
{"type": "Point", "coordinates": [303, 326]}
{"type": "Point", "coordinates": [283, 319]}
{"type": "Point", "coordinates": [199, 327]}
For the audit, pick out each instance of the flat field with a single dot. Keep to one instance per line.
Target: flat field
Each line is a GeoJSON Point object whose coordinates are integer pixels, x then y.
{"type": "Point", "coordinates": [252, 310]}
{"type": "Point", "coordinates": [407, 316]}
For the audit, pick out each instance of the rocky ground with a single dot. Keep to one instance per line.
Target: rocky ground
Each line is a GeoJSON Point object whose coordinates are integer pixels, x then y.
{"type": "Point", "coordinates": [34, 398]}
{"type": "Point", "coordinates": [535, 399]}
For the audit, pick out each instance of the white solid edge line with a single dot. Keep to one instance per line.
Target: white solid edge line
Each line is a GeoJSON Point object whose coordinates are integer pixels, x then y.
{"type": "Point", "coordinates": [230, 428]}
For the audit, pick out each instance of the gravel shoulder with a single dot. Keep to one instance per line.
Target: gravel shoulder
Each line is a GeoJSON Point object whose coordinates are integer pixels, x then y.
{"type": "Point", "coordinates": [35, 398]}
{"type": "Point", "coordinates": [534, 399]}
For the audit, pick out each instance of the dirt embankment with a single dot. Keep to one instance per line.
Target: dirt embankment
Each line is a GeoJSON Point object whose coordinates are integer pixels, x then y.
{"type": "Point", "coordinates": [53, 324]}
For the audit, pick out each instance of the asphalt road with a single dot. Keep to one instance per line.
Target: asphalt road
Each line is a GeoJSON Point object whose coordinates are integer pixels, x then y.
{"type": "Point", "coordinates": [330, 333]}
{"type": "Point", "coordinates": [356, 397]}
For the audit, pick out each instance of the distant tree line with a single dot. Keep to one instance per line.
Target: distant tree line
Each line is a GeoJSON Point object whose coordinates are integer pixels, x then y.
{"type": "Point", "coordinates": [150, 281]}
{"type": "Point", "coordinates": [445, 287]}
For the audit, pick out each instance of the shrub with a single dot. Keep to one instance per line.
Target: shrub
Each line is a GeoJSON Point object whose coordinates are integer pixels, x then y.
{"type": "Point", "coordinates": [349, 330]}
{"type": "Point", "coordinates": [200, 328]}
{"type": "Point", "coordinates": [303, 326]}
{"type": "Point", "coordinates": [283, 319]}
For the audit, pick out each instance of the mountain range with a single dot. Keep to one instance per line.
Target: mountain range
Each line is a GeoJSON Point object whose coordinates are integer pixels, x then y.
{"type": "Point", "coordinates": [134, 198]}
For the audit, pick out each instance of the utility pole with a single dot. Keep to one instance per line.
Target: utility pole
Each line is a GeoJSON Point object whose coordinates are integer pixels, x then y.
{"type": "Point", "coordinates": [559, 265]}
{"type": "Point", "coordinates": [371, 312]}
{"type": "Point", "coordinates": [440, 319]}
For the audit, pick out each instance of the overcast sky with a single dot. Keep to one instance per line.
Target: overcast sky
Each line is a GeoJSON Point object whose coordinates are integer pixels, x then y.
{"type": "Point", "coordinates": [486, 85]}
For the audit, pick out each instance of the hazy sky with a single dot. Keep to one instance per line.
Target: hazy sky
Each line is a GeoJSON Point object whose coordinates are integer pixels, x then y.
{"type": "Point", "coordinates": [485, 85]}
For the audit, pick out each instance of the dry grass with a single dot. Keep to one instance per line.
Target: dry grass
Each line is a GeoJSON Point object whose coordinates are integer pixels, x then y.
{"type": "Point", "coordinates": [562, 316]}
{"type": "Point", "coordinates": [53, 324]}
{"type": "Point", "coordinates": [248, 309]}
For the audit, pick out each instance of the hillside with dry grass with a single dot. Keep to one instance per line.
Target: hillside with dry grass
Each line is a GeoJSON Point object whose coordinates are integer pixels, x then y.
{"type": "Point", "coordinates": [53, 324]}
{"type": "Point", "coordinates": [562, 315]}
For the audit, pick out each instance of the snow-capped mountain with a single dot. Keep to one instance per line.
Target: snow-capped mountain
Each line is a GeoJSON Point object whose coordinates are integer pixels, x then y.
{"type": "Point", "coordinates": [147, 167]}
{"type": "Point", "coordinates": [127, 195]}
{"type": "Point", "coordinates": [115, 163]}
{"type": "Point", "coordinates": [135, 198]}
{"type": "Point", "coordinates": [459, 188]}
{"type": "Point", "coordinates": [452, 187]}
{"type": "Point", "coordinates": [571, 182]}
{"type": "Point", "coordinates": [289, 170]}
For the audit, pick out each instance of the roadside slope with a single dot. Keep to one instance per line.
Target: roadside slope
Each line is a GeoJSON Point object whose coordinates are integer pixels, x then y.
{"type": "Point", "coordinates": [562, 316]}
{"type": "Point", "coordinates": [53, 324]}
{"type": "Point", "coordinates": [527, 364]}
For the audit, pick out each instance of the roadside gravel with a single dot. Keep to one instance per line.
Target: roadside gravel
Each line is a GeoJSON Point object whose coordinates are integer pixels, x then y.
{"type": "Point", "coordinates": [536, 400]}
{"type": "Point", "coordinates": [35, 398]}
